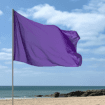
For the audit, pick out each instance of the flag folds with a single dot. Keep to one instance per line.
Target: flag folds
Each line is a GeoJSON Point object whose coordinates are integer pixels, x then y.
{"type": "Point", "coordinates": [44, 45]}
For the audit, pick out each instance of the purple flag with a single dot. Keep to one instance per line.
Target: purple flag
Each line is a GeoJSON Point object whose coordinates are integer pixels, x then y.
{"type": "Point", "coordinates": [44, 45]}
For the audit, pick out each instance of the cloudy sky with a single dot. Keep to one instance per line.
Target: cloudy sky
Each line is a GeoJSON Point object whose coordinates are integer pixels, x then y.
{"type": "Point", "coordinates": [87, 17]}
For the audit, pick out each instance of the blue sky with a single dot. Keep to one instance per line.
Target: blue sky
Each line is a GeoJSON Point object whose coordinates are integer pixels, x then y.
{"type": "Point", "coordinates": [87, 17]}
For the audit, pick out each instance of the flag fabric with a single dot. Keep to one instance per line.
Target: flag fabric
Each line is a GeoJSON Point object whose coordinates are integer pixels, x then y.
{"type": "Point", "coordinates": [44, 45]}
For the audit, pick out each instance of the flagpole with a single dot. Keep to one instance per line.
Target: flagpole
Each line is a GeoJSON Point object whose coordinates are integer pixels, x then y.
{"type": "Point", "coordinates": [12, 52]}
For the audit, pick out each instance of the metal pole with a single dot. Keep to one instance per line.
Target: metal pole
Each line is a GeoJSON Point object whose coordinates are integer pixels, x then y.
{"type": "Point", "coordinates": [12, 52]}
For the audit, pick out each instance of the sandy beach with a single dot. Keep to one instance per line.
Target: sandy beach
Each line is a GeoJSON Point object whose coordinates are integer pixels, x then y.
{"type": "Point", "coordinates": [91, 100]}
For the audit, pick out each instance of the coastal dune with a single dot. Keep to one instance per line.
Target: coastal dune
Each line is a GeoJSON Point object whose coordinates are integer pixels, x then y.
{"type": "Point", "coordinates": [91, 100]}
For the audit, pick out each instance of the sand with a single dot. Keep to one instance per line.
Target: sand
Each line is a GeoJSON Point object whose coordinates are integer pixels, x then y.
{"type": "Point", "coordinates": [91, 100]}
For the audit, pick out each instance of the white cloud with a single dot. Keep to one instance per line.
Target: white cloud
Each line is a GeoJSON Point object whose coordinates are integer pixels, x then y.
{"type": "Point", "coordinates": [82, 22]}
{"type": "Point", "coordinates": [26, 68]}
{"type": "Point", "coordinates": [5, 56]}
{"type": "Point", "coordinates": [95, 6]}
{"type": "Point", "coordinates": [8, 70]}
{"type": "Point", "coordinates": [88, 22]}
{"type": "Point", "coordinates": [23, 13]}
{"type": "Point", "coordinates": [7, 49]}
{"type": "Point", "coordinates": [94, 65]}
{"type": "Point", "coordinates": [9, 62]}
{"type": "Point", "coordinates": [99, 62]}
{"type": "Point", "coordinates": [99, 50]}
{"type": "Point", "coordinates": [17, 62]}
{"type": "Point", "coordinates": [1, 12]}
{"type": "Point", "coordinates": [28, 71]}
{"type": "Point", "coordinates": [83, 50]}
{"type": "Point", "coordinates": [93, 41]}
{"type": "Point", "coordinates": [94, 59]}
{"type": "Point", "coordinates": [3, 67]}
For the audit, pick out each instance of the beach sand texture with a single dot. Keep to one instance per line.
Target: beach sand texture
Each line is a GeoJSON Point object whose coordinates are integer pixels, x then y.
{"type": "Point", "coordinates": [91, 100]}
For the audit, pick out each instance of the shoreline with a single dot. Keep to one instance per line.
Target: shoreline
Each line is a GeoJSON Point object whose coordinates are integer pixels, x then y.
{"type": "Point", "coordinates": [91, 100]}
{"type": "Point", "coordinates": [24, 98]}
{"type": "Point", "coordinates": [59, 95]}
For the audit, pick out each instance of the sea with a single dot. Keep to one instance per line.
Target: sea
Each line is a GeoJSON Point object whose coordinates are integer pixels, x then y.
{"type": "Point", "coordinates": [27, 92]}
